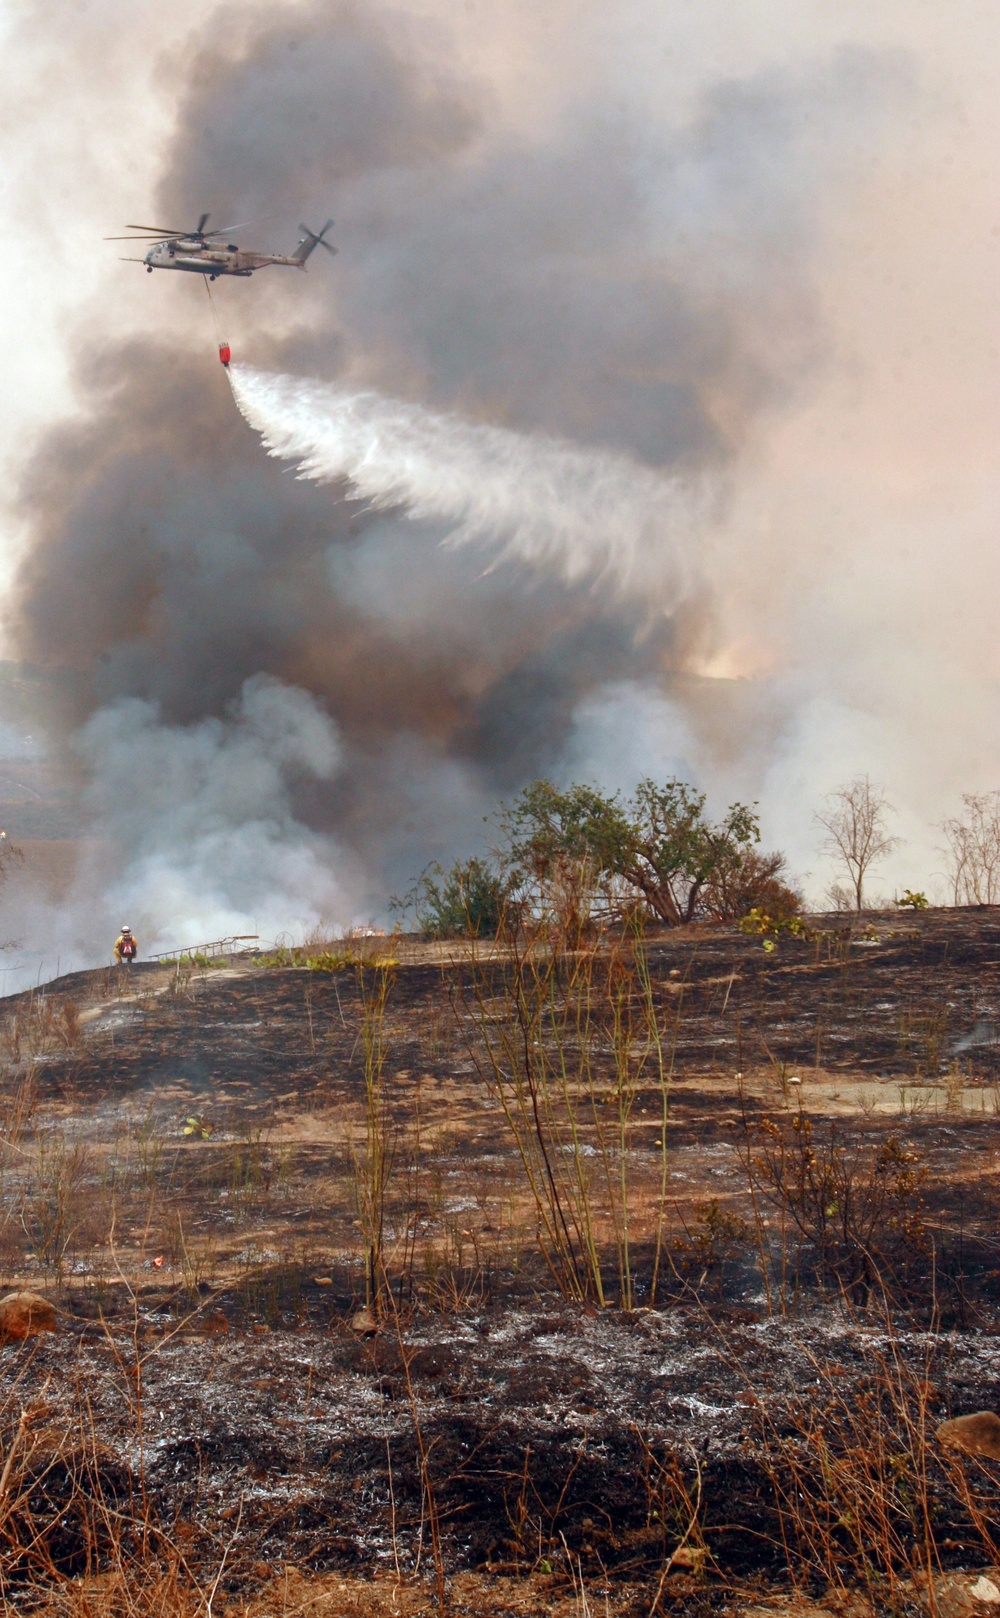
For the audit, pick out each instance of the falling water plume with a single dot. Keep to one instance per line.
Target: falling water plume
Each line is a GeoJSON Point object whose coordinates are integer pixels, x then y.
{"type": "Point", "coordinates": [554, 505]}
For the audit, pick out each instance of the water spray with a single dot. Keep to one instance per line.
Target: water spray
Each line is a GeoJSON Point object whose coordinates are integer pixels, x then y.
{"type": "Point", "coordinates": [577, 511]}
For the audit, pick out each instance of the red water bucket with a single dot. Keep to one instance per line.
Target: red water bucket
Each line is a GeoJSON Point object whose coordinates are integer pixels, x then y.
{"type": "Point", "coordinates": [224, 353]}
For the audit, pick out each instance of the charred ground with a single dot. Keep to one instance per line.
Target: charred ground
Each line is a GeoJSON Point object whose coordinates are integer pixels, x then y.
{"type": "Point", "coordinates": [182, 1151]}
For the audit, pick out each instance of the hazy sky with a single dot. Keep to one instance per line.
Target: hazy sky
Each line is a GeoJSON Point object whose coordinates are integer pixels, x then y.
{"type": "Point", "coordinates": [755, 244]}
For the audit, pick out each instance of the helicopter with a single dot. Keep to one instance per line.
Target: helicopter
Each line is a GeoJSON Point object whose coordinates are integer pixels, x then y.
{"type": "Point", "coordinates": [201, 251]}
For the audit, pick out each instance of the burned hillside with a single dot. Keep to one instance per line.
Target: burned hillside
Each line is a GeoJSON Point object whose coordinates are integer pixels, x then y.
{"type": "Point", "coordinates": [654, 1265]}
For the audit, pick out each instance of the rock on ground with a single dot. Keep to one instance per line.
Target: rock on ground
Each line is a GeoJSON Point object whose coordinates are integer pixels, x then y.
{"type": "Point", "coordinates": [25, 1314]}
{"type": "Point", "coordinates": [977, 1434]}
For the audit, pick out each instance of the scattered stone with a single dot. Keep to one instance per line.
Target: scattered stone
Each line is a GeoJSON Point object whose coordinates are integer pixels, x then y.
{"type": "Point", "coordinates": [323, 1280]}
{"type": "Point", "coordinates": [955, 1595]}
{"type": "Point", "coordinates": [25, 1314]}
{"type": "Point", "coordinates": [364, 1323]}
{"type": "Point", "coordinates": [976, 1434]}
{"type": "Point", "coordinates": [689, 1556]}
{"type": "Point", "coordinates": [984, 1590]}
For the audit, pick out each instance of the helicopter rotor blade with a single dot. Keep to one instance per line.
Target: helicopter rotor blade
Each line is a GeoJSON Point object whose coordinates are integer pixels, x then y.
{"type": "Point", "coordinates": [165, 233]}
{"type": "Point", "coordinates": [321, 240]}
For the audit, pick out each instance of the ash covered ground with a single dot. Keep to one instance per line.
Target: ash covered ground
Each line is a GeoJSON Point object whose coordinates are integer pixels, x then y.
{"type": "Point", "coordinates": [181, 1152]}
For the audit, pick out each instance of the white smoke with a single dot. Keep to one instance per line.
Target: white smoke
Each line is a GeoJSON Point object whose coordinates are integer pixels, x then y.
{"type": "Point", "coordinates": [202, 818]}
{"type": "Point", "coordinates": [538, 499]}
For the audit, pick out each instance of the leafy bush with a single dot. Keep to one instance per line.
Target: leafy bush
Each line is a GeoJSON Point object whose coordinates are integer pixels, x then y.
{"type": "Point", "coordinates": [753, 882]}
{"type": "Point", "coordinates": [470, 899]}
{"type": "Point", "coordinates": [328, 961]}
{"type": "Point", "coordinates": [657, 851]}
{"type": "Point", "coordinates": [569, 855]}
{"type": "Point", "coordinates": [759, 924]}
{"type": "Point", "coordinates": [911, 901]}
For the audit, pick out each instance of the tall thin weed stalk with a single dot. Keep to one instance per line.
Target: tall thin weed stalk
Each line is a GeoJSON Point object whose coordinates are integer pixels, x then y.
{"type": "Point", "coordinates": [566, 1040]}
{"type": "Point", "coordinates": [373, 1163]}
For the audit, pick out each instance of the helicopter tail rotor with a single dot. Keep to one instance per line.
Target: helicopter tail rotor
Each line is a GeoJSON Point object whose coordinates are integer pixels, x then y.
{"type": "Point", "coordinates": [310, 239]}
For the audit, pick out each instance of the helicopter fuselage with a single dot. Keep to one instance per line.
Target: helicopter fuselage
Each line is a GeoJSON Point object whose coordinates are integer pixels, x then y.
{"type": "Point", "coordinates": [213, 261]}
{"type": "Point", "coordinates": [205, 252]}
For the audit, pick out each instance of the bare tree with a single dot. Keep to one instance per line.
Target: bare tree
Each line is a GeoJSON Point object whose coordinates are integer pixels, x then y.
{"type": "Point", "coordinates": [854, 819]}
{"type": "Point", "coordinates": [973, 851]}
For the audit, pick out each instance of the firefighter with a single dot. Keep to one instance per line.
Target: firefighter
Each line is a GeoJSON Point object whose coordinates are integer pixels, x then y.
{"type": "Point", "coordinates": [126, 948]}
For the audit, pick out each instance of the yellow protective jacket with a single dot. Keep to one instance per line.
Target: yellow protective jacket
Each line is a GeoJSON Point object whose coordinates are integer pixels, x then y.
{"type": "Point", "coordinates": [126, 948]}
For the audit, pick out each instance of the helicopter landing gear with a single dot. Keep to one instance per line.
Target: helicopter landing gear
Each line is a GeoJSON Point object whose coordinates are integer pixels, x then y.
{"type": "Point", "coordinates": [149, 269]}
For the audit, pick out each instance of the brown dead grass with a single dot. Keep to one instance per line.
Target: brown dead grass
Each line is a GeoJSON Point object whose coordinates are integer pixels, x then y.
{"type": "Point", "coordinates": [293, 1594]}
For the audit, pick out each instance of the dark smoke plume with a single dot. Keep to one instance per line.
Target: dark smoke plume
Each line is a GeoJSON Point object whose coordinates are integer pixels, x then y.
{"type": "Point", "coordinates": [632, 288]}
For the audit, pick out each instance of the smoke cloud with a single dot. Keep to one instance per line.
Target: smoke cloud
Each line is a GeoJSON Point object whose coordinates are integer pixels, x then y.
{"type": "Point", "coordinates": [202, 816]}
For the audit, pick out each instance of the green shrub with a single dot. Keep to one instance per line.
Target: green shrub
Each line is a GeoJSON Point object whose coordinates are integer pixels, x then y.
{"type": "Point", "coordinates": [911, 901]}
{"type": "Point", "coordinates": [657, 850]}
{"type": "Point", "coordinates": [470, 899]}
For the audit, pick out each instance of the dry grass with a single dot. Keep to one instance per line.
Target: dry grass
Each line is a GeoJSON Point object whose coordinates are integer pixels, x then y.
{"type": "Point", "coordinates": [296, 1594]}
